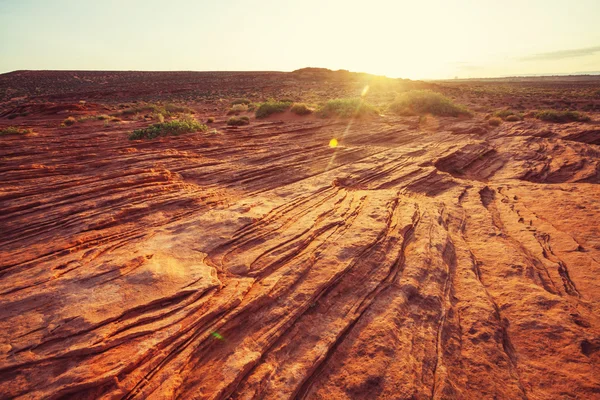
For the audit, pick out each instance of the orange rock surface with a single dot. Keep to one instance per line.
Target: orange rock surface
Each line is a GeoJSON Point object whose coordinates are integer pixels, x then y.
{"type": "Point", "coordinates": [440, 258]}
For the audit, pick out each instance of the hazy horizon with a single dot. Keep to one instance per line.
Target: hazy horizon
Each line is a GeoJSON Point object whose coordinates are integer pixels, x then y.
{"type": "Point", "coordinates": [400, 39]}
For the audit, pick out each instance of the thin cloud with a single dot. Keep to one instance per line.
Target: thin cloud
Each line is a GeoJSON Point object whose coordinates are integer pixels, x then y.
{"type": "Point", "coordinates": [562, 54]}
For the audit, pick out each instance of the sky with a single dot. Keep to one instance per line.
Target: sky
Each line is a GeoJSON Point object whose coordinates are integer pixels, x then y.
{"type": "Point", "coordinates": [416, 39]}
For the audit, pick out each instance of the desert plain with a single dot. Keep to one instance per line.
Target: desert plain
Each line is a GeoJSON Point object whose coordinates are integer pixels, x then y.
{"type": "Point", "coordinates": [414, 257]}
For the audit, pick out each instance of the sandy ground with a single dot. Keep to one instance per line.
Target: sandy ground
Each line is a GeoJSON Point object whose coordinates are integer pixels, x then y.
{"type": "Point", "coordinates": [440, 258]}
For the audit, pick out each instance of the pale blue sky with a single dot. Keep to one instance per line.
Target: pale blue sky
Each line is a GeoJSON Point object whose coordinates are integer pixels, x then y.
{"type": "Point", "coordinates": [410, 39]}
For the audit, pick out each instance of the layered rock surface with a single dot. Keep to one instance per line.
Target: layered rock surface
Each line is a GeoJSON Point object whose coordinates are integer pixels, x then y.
{"type": "Point", "coordinates": [441, 259]}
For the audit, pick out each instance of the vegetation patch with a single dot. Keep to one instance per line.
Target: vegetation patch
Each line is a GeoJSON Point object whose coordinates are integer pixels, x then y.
{"type": "Point", "coordinates": [210, 120]}
{"type": "Point", "coordinates": [240, 101]}
{"type": "Point", "coordinates": [562, 116]}
{"type": "Point", "coordinates": [509, 115]}
{"type": "Point", "coordinates": [354, 107]}
{"type": "Point", "coordinates": [238, 121]}
{"type": "Point", "coordinates": [271, 107]}
{"type": "Point", "coordinates": [301, 109]}
{"type": "Point", "coordinates": [13, 130]}
{"type": "Point", "coordinates": [236, 109]}
{"type": "Point", "coordinates": [416, 102]}
{"type": "Point", "coordinates": [168, 109]}
{"type": "Point", "coordinates": [68, 121]}
{"type": "Point", "coordinates": [170, 128]}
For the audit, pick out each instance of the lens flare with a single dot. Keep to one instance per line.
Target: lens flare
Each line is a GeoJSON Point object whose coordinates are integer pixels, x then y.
{"type": "Point", "coordinates": [333, 143]}
{"type": "Point", "coordinates": [365, 91]}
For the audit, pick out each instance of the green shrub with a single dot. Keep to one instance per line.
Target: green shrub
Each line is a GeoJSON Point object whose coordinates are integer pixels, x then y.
{"type": "Point", "coordinates": [170, 128]}
{"type": "Point", "coordinates": [562, 116]}
{"type": "Point", "coordinates": [210, 120]}
{"type": "Point", "coordinates": [13, 130]}
{"type": "Point", "coordinates": [426, 102]}
{"type": "Point", "coordinates": [271, 107]}
{"type": "Point", "coordinates": [301, 109]}
{"type": "Point", "coordinates": [238, 121]}
{"type": "Point", "coordinates": [151, 108]}
{"type": "Point", "coordinates": [102, 117]}
{"type": "Point", "coordinates": [172, 108]}
{"type": "Point", "coordinates": [68, 121]}
{"type": "Point", "coordinates": [240, 101]}
{"type": "Point", "coordinates": [237, 108]}
{"type": "Point", "coordinates": [353, 107]}
{"type": "Point", "coordinates": [144, 108]}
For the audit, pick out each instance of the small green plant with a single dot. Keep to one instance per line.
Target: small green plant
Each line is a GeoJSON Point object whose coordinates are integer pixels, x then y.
{"type": "Point", "coordinates": [236, 109]}
{"type": "Point", "coordinates": [495, 121]}
{"type": "Point", "coordinates": [103, 117]}
{"type": "Point", "coordinates": [271, 107]}
{"type": "Point", "coordinates": [240, 101]}
{"type": "Point", "coordinates": [238, 121]}
{"type": "Point", "coordinates": [168, 109]}
{"type": "Point", "coordinates": [562, 116]}
{"type": "Point", "coordinates": [172, 109]}
{"type": "Point", "coordinates": [68, 121]}
{"type": "Point", "coordinates": [345, 108]}
{"type": "Point", "coordinates": [301, 109]}
{"type": "Point", "coordinates": [210, 120]}
{"type": "Point", "coordinates": [426, 102]}
{"type": "Point", "coordinates": [13, 130]}
{"type": "Point", "coordinates": [170, 128]}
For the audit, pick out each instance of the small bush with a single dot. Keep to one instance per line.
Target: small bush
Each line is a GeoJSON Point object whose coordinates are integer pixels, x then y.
{"type": "Point", "coordinates": [562, 116]}
{"type": "Point", "coordinates": [238, 121]}
{"type": "Point", "coordinates": [240, 101]}
{"type": "Point", "coordinates": [271, 107]}
{"type": "Point", "coordinates": [210, 120]}
{"type": "Point", "coordinates": [150, 108]}
{"type": "Point", "coordinates": [495, 121]}
{"type": "Point", "coordinates": [286, 100]}
{"type": "Point", "coordinates": [301, 109]}
{"type": "Point", "coordinates": [170, 128]}
{"type": "Point", "coordinates": [171, 108]}
{"type": "Point", "coordinates": [345, 108]}
{"type": "Point", "coordinates": [103, 117]}
{"type": "Point", "coordinates": [13, 130]}
{"type": "Point", "coordinates": [426, 102]}
{"type": "Point", "coordinates": [144, 108]}
{"type": "Point", "coordinates": [508, 115]}
{"type": "Point", "coordinates": [237, 108]}
{"type": "Point", "coordinates": [68, 121]}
